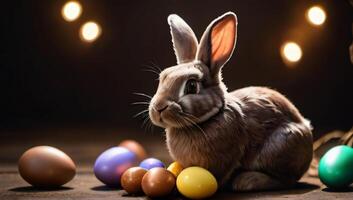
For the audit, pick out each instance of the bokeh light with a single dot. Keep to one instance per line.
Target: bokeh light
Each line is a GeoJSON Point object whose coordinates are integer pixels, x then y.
{"type": "Point", "coordinates": [71, 11]}
{"type": "Point", "coordinates": [90, 31]}
{"type": "Point", "coordinates": [291, 52]}
{"type": "Point", "coordinates": [316, 15]}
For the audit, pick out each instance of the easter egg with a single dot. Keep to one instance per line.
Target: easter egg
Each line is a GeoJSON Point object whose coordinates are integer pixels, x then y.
{"type": "Point", "coordinates": [158, 182]}
{"type": "Point", "coordinates": [45, 166]}
{"type": "Point", "coordinates": [336, 167]}
{"type": "Point", "coordinates": [196, 183]}
{"type": "Point", "coordinates": [175, 168]}
{"type": "Point", "coordinates": [150, 163]}
{"type": "Point", "coordinates": [131, 180]}
{"type": "Point", "coordinates": [112, 163]}
{"type": "Point", "coordinates": [135, 147]}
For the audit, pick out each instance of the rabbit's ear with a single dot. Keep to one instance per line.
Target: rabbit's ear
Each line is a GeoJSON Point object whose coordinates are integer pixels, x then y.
{"type": "Point", "coordinates": [218, 42]}
{"type": "Point", "coordinates": [184, 39]}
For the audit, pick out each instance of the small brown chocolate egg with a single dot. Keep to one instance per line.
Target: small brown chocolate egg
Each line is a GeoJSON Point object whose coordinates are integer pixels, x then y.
{"type": "Point", "coordinates": [135, 147]}
{"type": "Point", "coordinates": [45, 166]}
{"type": "Point", "coordinates": [158, 182]}
{"type": "Point", "coordinates": [131, 180]}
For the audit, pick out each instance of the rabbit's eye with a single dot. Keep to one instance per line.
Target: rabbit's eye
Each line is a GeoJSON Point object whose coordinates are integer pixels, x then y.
{"type": "Point", "coordinates": [191, 87]}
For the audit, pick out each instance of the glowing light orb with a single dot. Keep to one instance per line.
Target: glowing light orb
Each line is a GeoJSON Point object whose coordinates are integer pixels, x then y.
{"type": "Point", "coordinates": [316, 15]}
{"type": "Point", "coordinates": [291, 52]}
{"type": "Point", "coordinates": [71, 11]}
{"type": "Point", "coordinates": [90, 31]}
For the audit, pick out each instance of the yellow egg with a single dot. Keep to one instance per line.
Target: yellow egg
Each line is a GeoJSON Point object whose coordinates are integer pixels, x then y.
{"type": "Point", "coordinates": [196, 183]}
{"type": "Point", "coordinates": [175, 168]}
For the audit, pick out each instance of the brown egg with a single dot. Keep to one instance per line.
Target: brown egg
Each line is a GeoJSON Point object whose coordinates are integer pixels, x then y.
{"type": "Point", "coordinates": [158, 182]}
{"type": "Point", "coordinates": [131, 180]}
{"type": "Point", "coordinates": [45, 166]}
{"type": "Point", "coordinates": [135, 147]}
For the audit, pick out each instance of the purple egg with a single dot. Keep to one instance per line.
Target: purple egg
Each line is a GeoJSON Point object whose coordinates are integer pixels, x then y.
{"type": "Point", "coordinates": [112, 163]}
{"type": "Point", "coordinates": [150, 163]}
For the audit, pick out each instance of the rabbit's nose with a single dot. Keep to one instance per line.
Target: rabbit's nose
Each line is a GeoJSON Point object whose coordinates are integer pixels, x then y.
{"type": "Point", "coordinates": [161, 105]}
{"type": "Point", "coordinates": [162, 108]}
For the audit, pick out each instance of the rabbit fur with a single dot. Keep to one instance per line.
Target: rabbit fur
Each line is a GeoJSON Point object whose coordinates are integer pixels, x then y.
{"type": "Point", "coordinates": [253, 138]}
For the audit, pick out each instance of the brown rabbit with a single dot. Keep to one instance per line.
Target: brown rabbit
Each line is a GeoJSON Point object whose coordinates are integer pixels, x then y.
{"type": "Point", "coordinates": [250, 139]}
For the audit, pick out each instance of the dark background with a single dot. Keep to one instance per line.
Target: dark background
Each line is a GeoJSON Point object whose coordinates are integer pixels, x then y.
{"type": "Point", "coordinates": [49, 77]}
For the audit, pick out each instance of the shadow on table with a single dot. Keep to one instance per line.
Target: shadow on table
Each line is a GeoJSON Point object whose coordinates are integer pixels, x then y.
{"type": "Point", "coordinates": [105, 188]}
{"type": "Point", "coordinates": [345, 190]}
{"type": "Point", "coordinates": [303, 187]}
{"type": "Point", "coordinates": [39, 189]}
{"type": "Point", "coordinates": [299, 188]}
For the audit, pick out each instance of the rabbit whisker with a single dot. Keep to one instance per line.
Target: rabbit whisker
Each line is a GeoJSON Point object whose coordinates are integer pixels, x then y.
{"type": "Point", "coordinates": [148, 70]}
{"type": "Point", "coordinates": [196, 126]}
{"type": "Point", "coordinates": [141, 103]}
{"type": "Point", "coordinates": [180, 124]}
{"type": "Point", "coordinates": [189, 119]}
{"type": "Point", "coordinates": [147, 124]}
{"type": "Point", "coordinates": [140, 113]}
{"type": "Point", "coordinates": [155, 66]}
{"type": "Point", "coordinates": [144, 123]}
{"type": "Point", "coordinates": [142, 94]}
{"type": "Point", "coordinates": [152, 69]}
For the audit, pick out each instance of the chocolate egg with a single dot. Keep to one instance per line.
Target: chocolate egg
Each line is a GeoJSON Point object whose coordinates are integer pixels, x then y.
{"type": "Point", "coordinates": [135, 147]}
{"type": "Point", "coordinates": [112, 163]}
{"type": "Point", "coordinates": [45, 166]}
{"type": "Point", "coordinates": [131, 180]}
{"type": "Point", "coordinates": [158, 182]}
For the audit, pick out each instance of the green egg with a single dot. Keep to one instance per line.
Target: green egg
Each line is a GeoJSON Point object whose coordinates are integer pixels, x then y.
{"type": "Point", "coordinates": [336, 167]}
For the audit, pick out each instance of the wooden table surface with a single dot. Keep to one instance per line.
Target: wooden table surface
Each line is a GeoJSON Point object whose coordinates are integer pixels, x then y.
{"type": "Point", "coordinates": [83, 145]}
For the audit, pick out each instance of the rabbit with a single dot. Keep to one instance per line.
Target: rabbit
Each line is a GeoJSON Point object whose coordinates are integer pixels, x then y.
{"type": "Point", "coordinates": [250, 139]}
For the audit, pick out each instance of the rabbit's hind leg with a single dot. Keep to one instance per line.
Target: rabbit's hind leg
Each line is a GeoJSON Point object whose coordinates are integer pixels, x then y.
{"type": "Point", "coordinates": [255, 181]}
{"type": "Point", "coordinates": [284, 158]}
{"type": "Point", "coordinates": [287, 153]}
